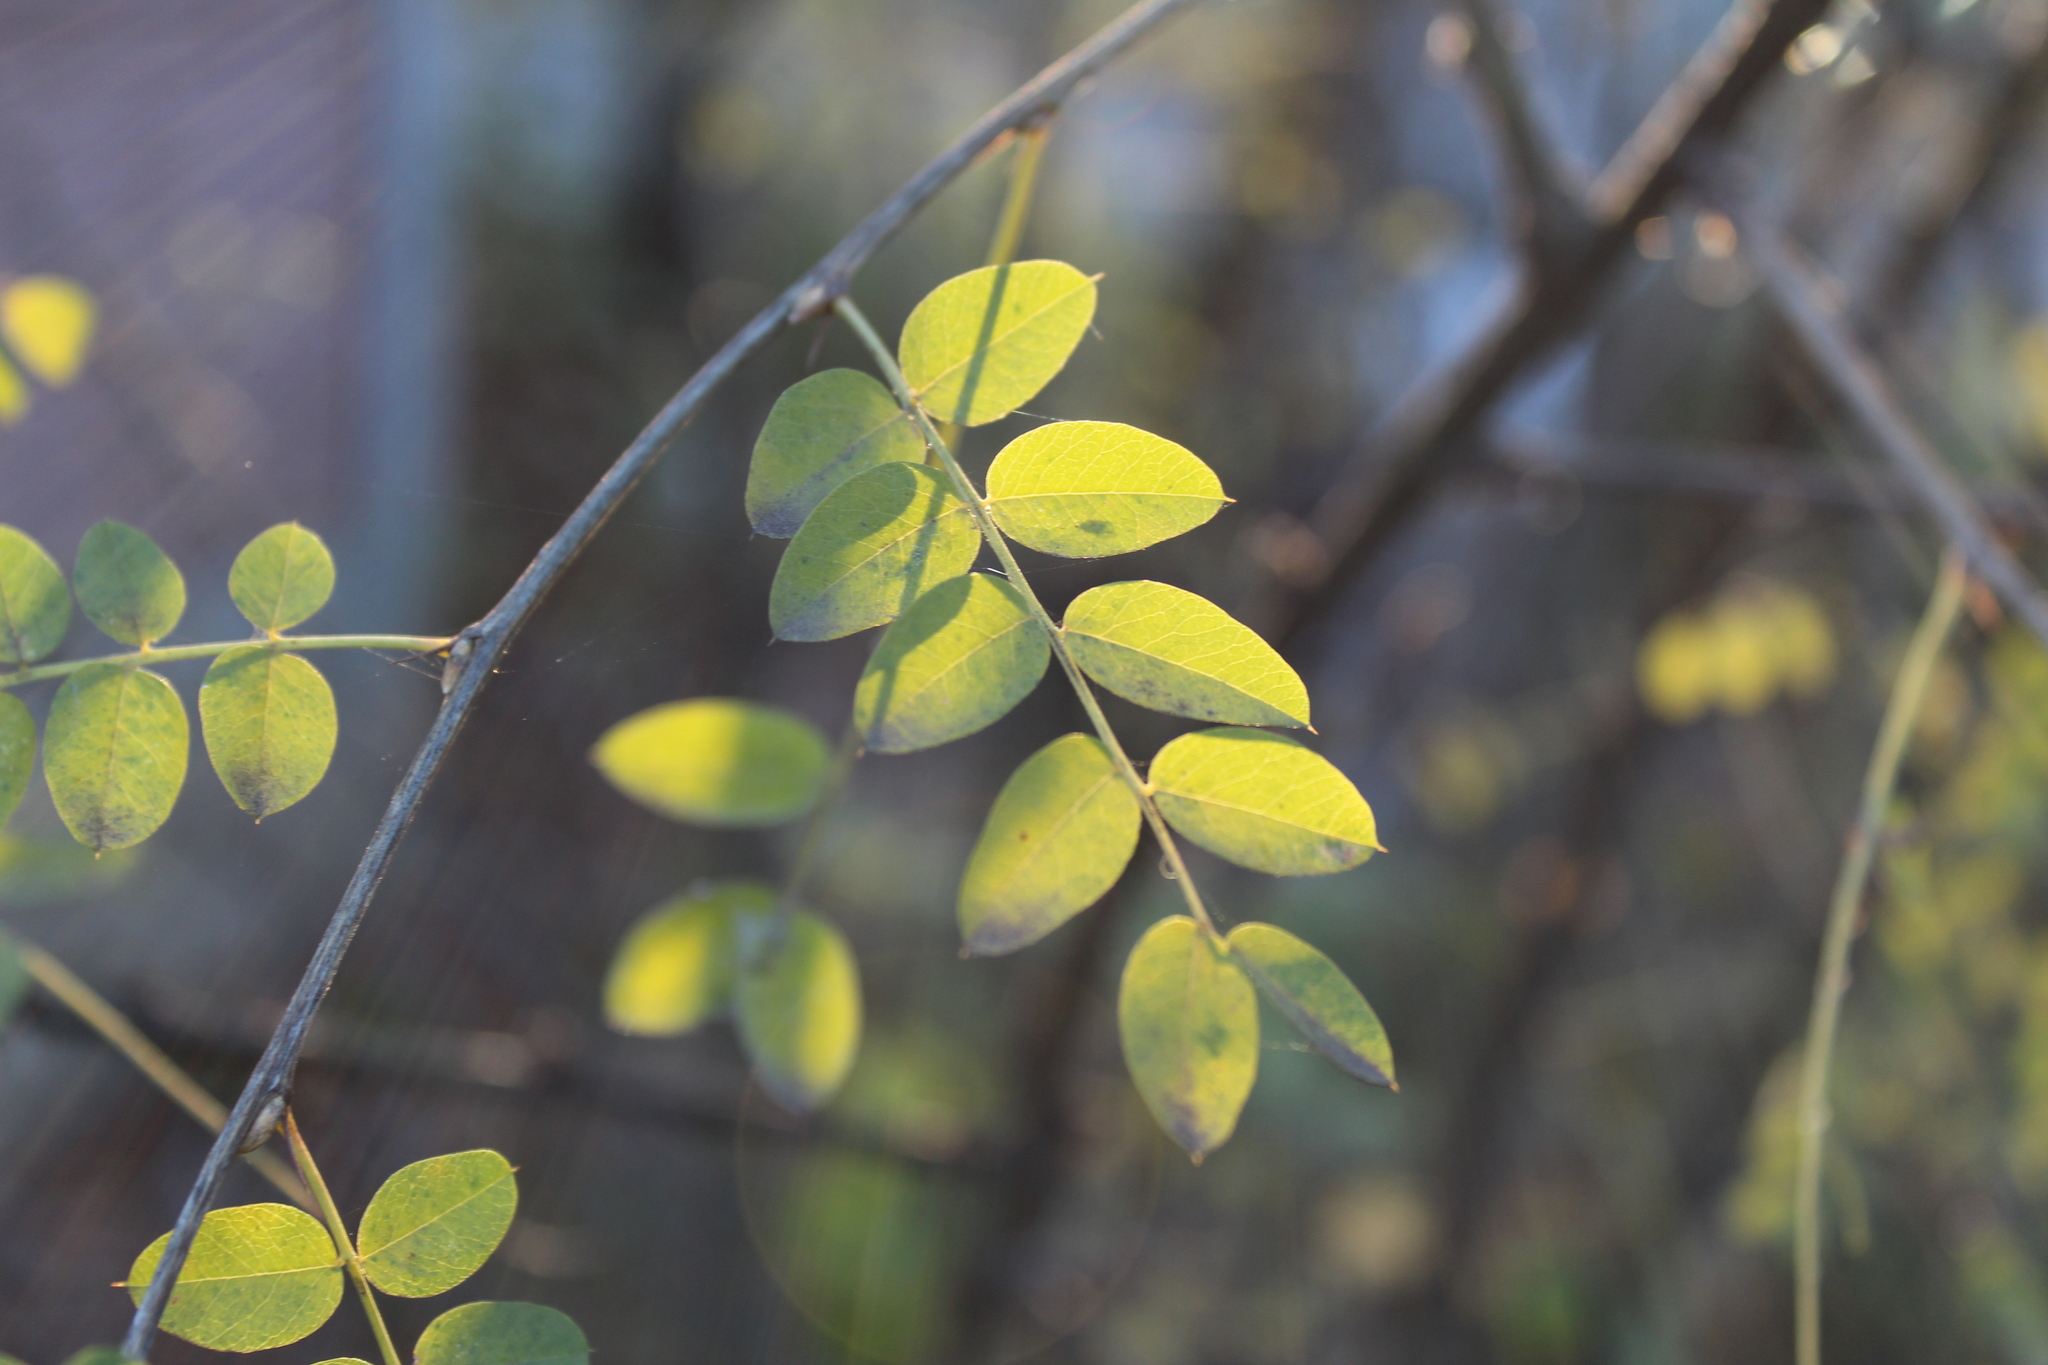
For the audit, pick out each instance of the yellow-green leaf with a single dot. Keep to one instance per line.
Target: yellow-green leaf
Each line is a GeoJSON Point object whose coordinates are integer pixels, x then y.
{"type": "Point", "coordinates": [434, 1223]}
{"type": "Point", "coordinates": [48, 321]}
{"type": "Point", "coordinates": [799, 1011]}
{"type": "Point", "coordinates": [1087, 489]}
{"type": "Point", "coordinates": [875, 545]}
{"type": "Point", "coordinates": [1263, 801]}
{"type": "Point", "coordinates": [282, 577]}
{"type": "Point", "coordinates": [17, 752]}
{"type": "Point", "coordinates": [959, 659]}
{"type": "Point", "coordinates": [983, 343]}
{"type": "Point", "coordinates": [1318, 999]}
{"type": "Point", "coordinates": [126, 585]}
{"type": "Point", "coordinates": [114, 754]}
{"type": "Point", "coordinates": [98, 1355]}
{"type": "Point", "coordinates": [675, 968]}
{"type": "Point", "coordinates": [820, 433]}
{"type": "Point", "coordinates": [716, 761]}
{"type": "Point", "coordinates": [259, 1276]}
{"type": "Point", "coordinates": [1056, 840]}
{"type": "Point", "coordinates": [1168, 649]}
{"type": "Point", "coordinates": [502, 1334]}
{"type": "Point", "coordinates": [35, 606]}
{"type": "Point", "coordinates": [1190, 1027]}
{"type": "Point", "coordinates": [268, 718]}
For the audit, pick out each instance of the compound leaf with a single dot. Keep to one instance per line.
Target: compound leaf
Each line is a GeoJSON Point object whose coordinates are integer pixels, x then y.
{"type": "Point", "coordinates": [1263, 801]}
{"type": "Point", "coordinates": [14, 977]}
{"type": "Point", "coordinates": [820, 433]}
{"type": "Point", "coordinates": [17, 752]}
{"type": "Point", "coordinates": [35, 606]}
{"type": "Point", "coordinates": [875, 545]}
{"type": "Point", "coordinates": [48, 321]}
{"type": "Point", "coordinates": [282, 577]}
{"type": "Point", "coordinates": [434, 1223]}
{"type": "Point", "coordinates": [268, 719]}
{"type": "Point", "coordinates": [716, 761]}
{"type": "Point", "coordinates": [1056, 840]}
{"type": "Point", "coordinates": [126, 585]}
{"type": "Point", "coordinates": [675, 968]}
{"type": "Point", "coordinates": [114, 754]}
{"type": "Point", "coordinates": [1190, 1027]}
{"type": "Point", "coordinates": [799, 1010]}
{"type": "Point", "coordinates": [1168, 649]}
{"type": "Point", "coordinates": [959, 659]}
{"type": "Point", "coordinates": [502, 1334]}
{"type": "Point", "coordinates": [985, 342]}
{"type": "Point", "coordinates": [1318, 999]}
{"type": "Point", "coordinates": [1088, 489]}
{"type": "Point", "coordinates": [261, 1275]}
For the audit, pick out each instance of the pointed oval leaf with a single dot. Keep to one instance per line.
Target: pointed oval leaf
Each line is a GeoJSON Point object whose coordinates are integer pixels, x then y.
{"type": "Point", "coordinates": [820, 433]}
{"type": "Point", "coordinates": [1318, 999]}
{"type": "Point", "coordinates": [282, 577]}
{"type": "Point", "coordinates": [268, 719]}
{"type": "Point", "coordinates": [114, 754]}
{"type": "Point", "coordinates": [983, 343]}
{"type": "Point", "coordinates": [799, 1012]}
{"type": "Point", "coordinates": [1190, 1027]}
{"type": "Point", "coordinates": [126, 585]}
{"type": "Point", "coordinates": [35, 606]}
{"type": "Point", "coordinates": [1088, 489]}
{"type": "Point", "coordinates": [716, 761]}
{"type": "Point", "coordinates": [875, 545]}
{"type": "Point", "coordinates": [48, 321]}
{"type": "Point", "coordinates": [434, 1223]}
{"type": "Point", "coordinates": [1263, 801]}
{"type": "Point", "coordinates": [958, 660]}
{"type": "Point", "coordinates": [675, 968]}
{"type": "Point", "coordinates": [17, 752]}
{"type": "Point", "coordinates": [502, 1334]}
{"type": "Point", "coordinates": [1059, 835]}
{"type": "Point", "coordinates": [1168, 649]}
{"type": "Point", "coordinates": [261, 1275]}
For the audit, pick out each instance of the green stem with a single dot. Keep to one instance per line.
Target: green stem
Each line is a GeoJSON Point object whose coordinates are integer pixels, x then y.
{"type": "Point", "coordinates": [415, 644]}
{"type": "Point", "coordinates": [978, 506]}
{"type": "Point", "coordinates": [1832, 978]}
{"type": "Point", "coordinates": [343, 1245]}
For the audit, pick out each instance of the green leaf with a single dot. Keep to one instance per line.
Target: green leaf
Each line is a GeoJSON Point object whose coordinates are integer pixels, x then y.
{"type": "Point", "coordinates": [875, 545]}
{"type": "Point", "coordinates": [1175, 652]}
{"type": "Point", "coordinates": [434, 1223]}
{"type": "Point", "coordinates": [261, 1275]}
{"type": "Point", "coordinates": [98, 1355]}
{"type": "Point", "coordinates": [35, 606]}
{"type": "Point", "coordinates": [1318, 999]}
{"type": "Point", "coordinates": [268, 718]}
{"type": "Point", "coordinates": [985, 342]}
{"type": "Point", "coordinates": [1056, 840]}
{"type": "Point", "coordinates": [820, 433]}
{"type": "Point", "coordinates": [1190, 1027]}
{"type": "Point", "coordinates": [716, 761]}
{"type": "Point", "coordinates": [17, 752]}
{"type": "Point", "coordinates": [126, 585]}
{"type": "Point", "coordinates": [14, 977]}
{"type": "Point", "coordinates": [502, 1334]}
{"type": "Point", "coordinates": [675, 968]}
{"type": "Point", "coordinates": [282, 577]}
{"type": "Point", "coordinates": [345, 1360]}
{"type": "Point", "coordinates": [1264, 802]}
{"type": "Point", "coordinates": [114, 754]}
{"type": "Point", "coordinates": [958, 660]}
{"type": "Point", "coordinates": [799, 1012]}
{"type": "Point", "coordinates": [1088, 489]}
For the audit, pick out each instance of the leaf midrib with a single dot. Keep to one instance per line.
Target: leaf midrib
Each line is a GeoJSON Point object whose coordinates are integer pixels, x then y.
{"type": "Point", "coordinates": [1264, 815]}
{"type": "Point", "coordinates": [995, 339]}
{"type": "Point", "coordinates": [449, 1212]}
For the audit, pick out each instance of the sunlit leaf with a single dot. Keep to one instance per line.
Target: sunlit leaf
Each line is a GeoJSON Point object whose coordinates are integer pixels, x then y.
{"type": "Point", "coordinates": [820, 433]}
{"type": "Point", "coordinates": [1263, 801]}
{"type": "Point", "coordinates": [985, 342]}
{"type": "Point", "coordinates": [1056, 840]}
{"type": "Point", "coordinates": [17, 752]}
{"type": "Point", "coordinates": [1317, 998]}
{"type": "Point", "coordinates": [48, 322]}
{"type": "Point", "coordinates": [114, 754]}
{"type": "Point", "coordinates": [14, 978]}
{"type": "Point", "coordinates": [1190, 1026]}
{"type": "Point", "coordinates": [502, 1334]}
{"type": "Point", "coordinates": [799, 1012]}
{"type": "Point", "coordinates": [675, 968]}
{"type": "Point", "coordinates": [261, 1275]}
{"type": "Point", "coordinates": [1087, 489]}
{"type": "Point", "coordinates": [875, 545]}
{"type": "Point", "coordinates": [1175, 652]}
{"type": "Point", "coordinates": [282, 577]}
{"type": "Point", "coordinates": [434, 1223]}
{"type": "Point", "coordinates": [35, 606]}
{"type": "Point", "coordinates": [716, 761]}
{"type": "Point", "coordinates": [126, 585]}
{"type": "Point", "coordinates": [959, 659]}
{"type": "Point", "coordinates": [268, 719]}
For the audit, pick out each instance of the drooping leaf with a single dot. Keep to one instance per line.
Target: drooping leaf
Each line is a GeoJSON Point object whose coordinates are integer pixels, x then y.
{"type": "Point", "coordinates": [1263, 801]}
{"type": "Point", "coordinates": [269, 723]}
{"type": "Point", "coordinates": [1168, 649]}
{"type": "Point", "coordinates": [502, 1334]}
{"type": "Point", "coordinates": [959, 659]}
{"type": "Point", "coordinates": [984, 343]}
{"type": "Point", "coordinates": [1056, 840]}
{"type": "Point", "coordinates": [14, 977]}
{"type": "Point", "coordinates": [282, 577]}
{"type": "Point", "coordinates": [114, 754]}
{"type": "Point", "coordinates": [126, 585]}
{"type": "Point", "coordinates": [259, 1276]}
{"type": "Point", "coordinates": [716, 761]}
{"type": "Point", "coordinates": [434, 1223]}
{"type": "Point", "coordinates": [17, 752]}
{"type": "Point", "coordinates": [876, 544]}
{"type": "Point", "coordinates": [675, 968]}
{"type": "Point", "coordinates": [48, 321]}
{"type": "Point", "coordinates": [1318, 999]}
{"type": "Point", "coordinates": [820, 433]}
{"type": "Point", "coordinates": [1088, 489]}
{"type": "Point", "coordinates": [1190, 1027]}
{"type": "Point", "coordinates": [799, 1011]}
{"type": "Point", "coordinates": [35, 606]}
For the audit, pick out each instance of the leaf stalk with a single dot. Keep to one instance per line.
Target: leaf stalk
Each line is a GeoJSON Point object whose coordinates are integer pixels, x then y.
{"type": "Point", "coordinates": [413, 644]}
{"type": "Point", "coordinates": [344, 1245]}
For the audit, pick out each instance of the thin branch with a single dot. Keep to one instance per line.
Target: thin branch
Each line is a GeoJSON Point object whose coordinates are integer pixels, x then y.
{"type": "Point", "coordinates": [144, 658]}
{"type": "Point", "coordinates": [1553, 203]}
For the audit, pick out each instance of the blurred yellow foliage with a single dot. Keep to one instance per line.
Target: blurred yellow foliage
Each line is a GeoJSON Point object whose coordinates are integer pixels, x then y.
{"type": "Point", "coordinates": [2030, 378]}
{"type": "Point", "coordinates": [47, 322]}
{"type": "Point", "coordinates": [1758, 639]}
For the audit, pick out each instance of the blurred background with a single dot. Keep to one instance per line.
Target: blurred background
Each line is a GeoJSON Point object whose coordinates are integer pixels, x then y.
{"type": "Point", "coordinates": [413, 271]}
